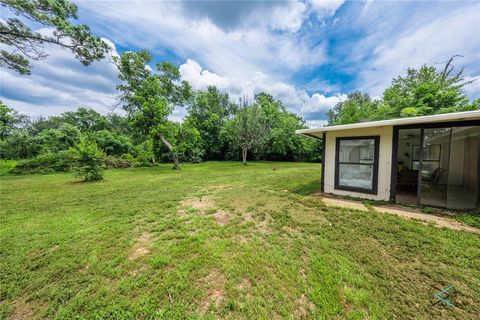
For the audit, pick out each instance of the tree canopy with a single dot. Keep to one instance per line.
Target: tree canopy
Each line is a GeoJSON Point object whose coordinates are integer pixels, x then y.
{"type": "Point", "coordinates": [424, 91]}
{"type": "Point", "coordinates": [149, 97]}
{"type": "Point", "coordinates": [22, 44]}
{"type": "Point", "coordinates": [214, 127]}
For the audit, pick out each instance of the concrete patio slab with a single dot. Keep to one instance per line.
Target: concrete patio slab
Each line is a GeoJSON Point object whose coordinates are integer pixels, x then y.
{"type": "Point", "coordinates": [413, 213]}
{"type": "Point", "coordinates": [399, 210]}
{"type": "Point", "coordinates": [343, 203]}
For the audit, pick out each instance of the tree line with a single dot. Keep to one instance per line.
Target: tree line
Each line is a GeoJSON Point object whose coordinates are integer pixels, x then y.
{"type": "Point", "coordinates": [424, 91]}
{"type": "Point", "coordinates": [214, 128]}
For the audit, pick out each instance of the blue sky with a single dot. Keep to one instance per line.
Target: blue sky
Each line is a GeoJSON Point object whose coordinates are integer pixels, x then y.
{"type": "Point", "coordinates": [309, 54]}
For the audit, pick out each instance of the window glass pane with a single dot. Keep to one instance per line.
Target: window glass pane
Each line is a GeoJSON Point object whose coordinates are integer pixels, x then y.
{"type": "Point", "coordinates": [357, 151]}
{"type": "Point", "coordinates": [436, 145]}
{"type": "Point", "coordinates": [430, 152]}
{"type": "Point", "coordinates": [463, 172]}
{"type": "Point", "coordinates": [356, 175]}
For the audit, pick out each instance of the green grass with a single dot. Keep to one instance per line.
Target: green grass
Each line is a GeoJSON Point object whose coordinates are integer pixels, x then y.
{"type": "Point", "coordinates": [6, 166]}
{"type": "Point", "coordinates": [219, 240]}
{"type": "Point", "coordinates": [471, 218]}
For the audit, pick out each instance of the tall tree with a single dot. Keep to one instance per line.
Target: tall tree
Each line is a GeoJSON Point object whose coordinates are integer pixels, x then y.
{"type": "Point", "coordinates": [428, 90]}
{"type": "Point", "coordinates": [150, 97]}
{"type": "Point", "coordinates": [281, 142]}
{"type": "Point", "coordinates": [358, 107]}
{"type": "Point", "coordinates": [9, 120]}
{"type": "Point", "coordinates": [247, 130]}
{"type": "Point", "coordinates": [208, 113]}
{"type": "Point", "coordinates": [22, 44]}
{"type": "Point", "coordinates": [85, 119]}
{"type": "Point", "coordinates": [422, 91]}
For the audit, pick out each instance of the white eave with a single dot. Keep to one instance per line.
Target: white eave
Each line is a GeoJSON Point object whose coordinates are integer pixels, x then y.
{"type": "Point", "coordinates": [445, 117]}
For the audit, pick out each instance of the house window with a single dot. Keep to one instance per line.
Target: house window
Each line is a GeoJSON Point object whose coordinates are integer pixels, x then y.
{"type": "Point", "coordinates": [356, 164]}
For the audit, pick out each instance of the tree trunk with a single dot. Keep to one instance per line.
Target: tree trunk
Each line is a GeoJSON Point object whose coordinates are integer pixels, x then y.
{"type": "Point", "coordinates": [244, 155]}
{"type": "Point", "coordinates": [176, 163]}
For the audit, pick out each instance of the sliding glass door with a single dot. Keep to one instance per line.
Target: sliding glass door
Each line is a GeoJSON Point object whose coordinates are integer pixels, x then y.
{"type": "Point", "coordinates": [446, 163]}
{"type": "Point", "coordinates": [407, 165]}
{"type": "Point", "coordinates": [435, 165]}
{"type": "Point", "coordinates": [463, 176]}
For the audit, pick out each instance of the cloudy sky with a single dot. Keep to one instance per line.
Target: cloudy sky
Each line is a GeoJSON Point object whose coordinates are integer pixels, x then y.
{"type": "Point", "coordinates": [309, 54]}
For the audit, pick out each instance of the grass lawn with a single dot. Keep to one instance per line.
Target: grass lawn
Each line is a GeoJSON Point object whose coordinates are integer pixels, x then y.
{"type": "Point", "coordinates": [219, 240]}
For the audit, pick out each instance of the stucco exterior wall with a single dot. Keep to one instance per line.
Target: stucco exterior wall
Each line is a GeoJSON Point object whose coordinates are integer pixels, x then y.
{"type": "Point", "coordinates": [384, 161]}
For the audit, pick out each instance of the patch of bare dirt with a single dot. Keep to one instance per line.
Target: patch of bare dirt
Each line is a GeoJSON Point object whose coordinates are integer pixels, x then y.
{"type": "Point", "coordinates": [141, 247]}
{"type": "Point", "coordinates": [244, 285]}
{"type": "Point", "coordinates": [214, 284]}
{"type": "Point", "coordinates": [21, 311]}
{"type": "Point", "coordinates": [135, 272]}
{"type": "Point", "coordinates": [204, 204]}
{"type": "Point", "coordinates": [220, 187]}
{"type": "Point", "coordinates": [290, 230]}
{"type": "Point", "coordinates": [199, 203]}
{"type": "Point", "coordinates": [222, 217]}
{"type": "Point", "coordinates": [84, 269]}
{"type": "Point", "coordinates": [303, 307]}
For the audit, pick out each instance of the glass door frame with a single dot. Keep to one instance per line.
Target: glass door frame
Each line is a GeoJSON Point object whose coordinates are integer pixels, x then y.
{"type": "Point", "coordinates": [421, 126]}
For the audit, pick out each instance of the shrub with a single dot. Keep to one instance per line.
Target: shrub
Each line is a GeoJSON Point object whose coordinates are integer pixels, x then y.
{"type": "Point", "coordinates": [113, 144]}
{"type": "Point", "coordinates": [125, 161]}
{"type": "Point", "coordinates": [47, 162]}
{"type": "Point", "coordinates": [6, 166]}
{"type": "Point", "coordinates": [89, 161]}
{"type": "Point", "coordinates": [145, 155]}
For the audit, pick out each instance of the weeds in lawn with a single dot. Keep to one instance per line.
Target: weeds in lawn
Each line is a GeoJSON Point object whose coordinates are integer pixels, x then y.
{"type": "Point", "coordinates": [219, 240]}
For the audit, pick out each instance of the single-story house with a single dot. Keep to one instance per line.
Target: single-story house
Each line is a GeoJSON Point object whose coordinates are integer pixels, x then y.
{"type": "Point", "coordinates": [428, 160]}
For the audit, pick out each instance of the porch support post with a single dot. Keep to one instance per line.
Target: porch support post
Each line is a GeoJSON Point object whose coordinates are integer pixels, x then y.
{"type": "Point", "coordinates": [393, 177]}
{"type": "Point", "coordinates": [322, 179]}
{"type": "Point", "coordinates": [420, 166]}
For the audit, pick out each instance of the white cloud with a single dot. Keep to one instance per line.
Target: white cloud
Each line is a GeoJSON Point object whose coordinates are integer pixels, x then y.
{"type": "Point", "coordinates": [200, 78]}
{"type": "Point", "coordinates": [236, 53]}
{"type": "Point", "coordinates": [248, 47]}
{"type": "Point", "coordinates": [432, 42]}
{"type": "Point", "coordinates": [326, 7]}
{"type": "Point", "coordinates": [295, 99]}
{"type": "Point", "coordinates": [472, 89]}
{"type": "Point", "coordinates": [320, 103]}
{"type": "Point", "coordinates": [60, 83]}
{"type": "Point", "coordinates": [288, 18]}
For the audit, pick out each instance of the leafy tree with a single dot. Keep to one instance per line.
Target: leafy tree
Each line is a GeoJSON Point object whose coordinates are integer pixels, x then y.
{"type": "Point", "coordinates": [358, 107]}
{"type": "Point", "coordinates": [85, 119]}
{"type": "Point", "coordinates": [55, 140]}
{"type": "Point", "coordinates": [112, 143]}
{"type": "Point", "coordinates": [89, 160]}
{"type": "Point", "coordinates": [18, 145]}
{"type": "Point", "coordinates": [208, 113]}
{"type": "Point", "coordinates": [187, 142]}
{"type": "Point", "coordinates": [43, 123]}
{"type": "Point", "coordinates": [423, 91]}
{"type": "Point", "coordinates": [428, 90]}
{"type": "Point", "coordinates": [281, 142]}
{"type": "Point", "coordinates": [23, 44]}
{"type": "Point", "coordinates": [247, 130]}
{"type": "Point", "coordinates": [149, 98]}
{"type": "Point", "coordinates": [119, 124]}
{"type": "Point", "coordinates": [10, 120]}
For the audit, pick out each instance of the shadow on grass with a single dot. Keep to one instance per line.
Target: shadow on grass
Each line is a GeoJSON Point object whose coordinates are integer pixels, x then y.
{"type": "Point", "coordinates": [307, 188]}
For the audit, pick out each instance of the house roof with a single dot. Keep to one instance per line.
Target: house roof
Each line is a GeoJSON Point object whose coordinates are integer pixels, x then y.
{"type": "Point", "coordinates": [437, 118]}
